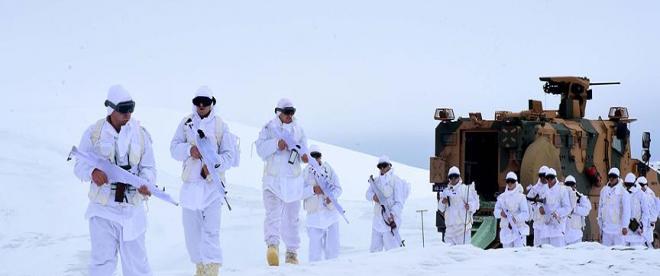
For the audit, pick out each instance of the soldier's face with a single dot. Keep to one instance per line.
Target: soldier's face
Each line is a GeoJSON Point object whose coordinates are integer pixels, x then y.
{"type": "Point", "coordinates": [613, 180]}
{"type": "Point", "coordinates": [384, 170]}
{"type": "Point", "coordinates": [203, 110]}
{"type": "Point", "coordinates": [286, 119]}
{"type": "Point", "coordinates": [120, 118]}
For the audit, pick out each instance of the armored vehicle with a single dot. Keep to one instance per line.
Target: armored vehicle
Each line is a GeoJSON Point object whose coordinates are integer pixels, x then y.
{"type": "Point", "coordinates": [563, 139]}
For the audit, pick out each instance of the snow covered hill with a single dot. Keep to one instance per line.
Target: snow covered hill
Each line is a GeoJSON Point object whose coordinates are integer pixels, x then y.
{"type": "Point", "coordinates": [43, 232]}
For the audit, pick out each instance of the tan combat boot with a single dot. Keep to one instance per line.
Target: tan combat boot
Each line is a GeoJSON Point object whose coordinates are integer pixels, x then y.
{"type": "Point", "coordinates": [273, 255]}
{"type": "Point", "coordinates": [212, 269]}
{"type": "Point", "coordinates": [291, 258]}
{"type": "Point", "coordinates": [200, 270]}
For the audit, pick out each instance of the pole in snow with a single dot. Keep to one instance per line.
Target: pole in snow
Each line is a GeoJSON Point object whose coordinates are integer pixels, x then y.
{"type": "Point", "coordinates": [421, 214]}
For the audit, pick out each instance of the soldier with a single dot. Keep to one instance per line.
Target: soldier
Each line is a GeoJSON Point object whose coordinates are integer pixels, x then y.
{"type": "Point", "coordinates": [613, 210]}
{"type": "Point", "coordinates": [394, 191]}
{"type": "Point", "coordinates": [322, 217]}
{"type": "Point", "coordinates": [200, 197]}
{"type": "Point", "coordinates": [117, 220]}
{"type": "Point", "coordinates": [580, 208]}
{"type": "Point", "coordinates": [653, 210]}
{"type": "Point", "coordinates": [458, 202]}
{"type": "Point", "coordinates": [512, 210]}
{"type": "Point", "coordinates": [282, 182]}
{"type": "Point", "coordinates": [533, 196]}
{"type": "Point", "coordinates": [639, 213]}
{"type": "Point", "coordinates": [554, 209]}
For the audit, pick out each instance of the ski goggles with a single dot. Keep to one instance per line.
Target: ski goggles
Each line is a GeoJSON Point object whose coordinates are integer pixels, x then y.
{"type": "Point", "coordinates": [550, 177]}
{"type": "Point", "coordinates": [612, 175]}
{"type": "Point", "coordinates": [315, 154]}
{"type": "Point", "coordinates": [122, 107]}
{"type": "Point", "coordinates": [510, 180]}
{"type": "Point", "coordinates": [569, 183]}
{"type": "Point", "coordinates": [203, 101]}
{"type": "Point", "coordinates": [542, 175]}
{"type": "Point", "coordinates": [628, 184]}
{"type": "Point", "coordinates": [383, 165]}
{"type": "Point", "coordinates": [289, 111]}
{"type": "Point", "coordinates": [453, 176]}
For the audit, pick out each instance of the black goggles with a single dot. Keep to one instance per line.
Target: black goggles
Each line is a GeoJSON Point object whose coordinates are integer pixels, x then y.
{"type": "Point", "coordinates": [628, 183]}
{"type": "Point", "coordinates": [287, 110]}
{"type": "Point", "coordinates": [383, 165]}
{"type": "Point", "coordinates": [642, 183]}
{"type": "Point", "coordinates": [510, 180]}
{"type": "Point", "coordinates": [569, 183]}
{"type": "Point", "coordinates": [550, 177]}
{"type": "Point", "coordinates": [204, 101]}
{"type": "Point", "coordinates": [541, 175]}
{"type": "Point", "coordinates": [122, 107]}
{"type": "Point", "coordinates": [315, 154]}
{"type": "Point", "coordinates": [453, 176]}
{"type": "Point", "coordinates": [612, 176]}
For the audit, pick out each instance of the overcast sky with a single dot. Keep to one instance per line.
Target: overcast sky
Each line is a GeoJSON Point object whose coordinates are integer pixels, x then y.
{"type": "Point", "coordinates": [363, 74]}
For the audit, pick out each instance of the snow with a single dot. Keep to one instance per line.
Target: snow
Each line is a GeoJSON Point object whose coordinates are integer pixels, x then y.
{"type": "Point", "coordinates": [43, 232]}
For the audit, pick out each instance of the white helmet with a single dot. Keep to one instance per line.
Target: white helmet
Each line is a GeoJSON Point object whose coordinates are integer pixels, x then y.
{"type": "Point", "coordinates": [642, 180]}
{"type": "Point", "coordinates": [551, 171]}
{"type": "Point", "coordinates": [614, 171]}
{"type": "Point", "coordinates": [569, 178]}
{"type": "Point", "coordinates": [314, 148]}
{"type": "Point", "coordinates": [511, 175]}
{"type": "Point", "coordinates": [284, 103]}
{"type": "Point", "coordinates": [384, 159]}
{"type": "Point", "coordinates": [543, 169]}
{"type": "Point", "coordinates": [630, 178]}
{"type": "Point", "coordinates": [454, 170]}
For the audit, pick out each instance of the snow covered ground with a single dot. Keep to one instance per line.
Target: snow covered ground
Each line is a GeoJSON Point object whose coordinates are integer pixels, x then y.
{"type": "Point", "coordinates": [43, 232]}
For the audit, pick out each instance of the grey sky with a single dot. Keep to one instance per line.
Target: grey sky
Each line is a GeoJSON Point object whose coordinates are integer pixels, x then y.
{"type": "Point", "coordinates": [364, 74]}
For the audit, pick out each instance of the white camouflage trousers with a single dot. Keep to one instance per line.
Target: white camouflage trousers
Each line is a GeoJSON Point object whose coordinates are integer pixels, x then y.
{"type": "Point", "coordinates": [612, 239]}
{"type": "Point", "coordinates": [107, 240]}
{"type": "Point", "coordinates": [516, 243]}
{"type": "Point", "coordinates": [282, 220]}
{"type": "Point", "coordinates": [459, 239]}
{"type": "Point", "coordinates": [554, 241]}
{"type": "Point", "coordinates": [202, 232]}
{"type": "Point", "coordinates": [382, 240]}
{"type": "Point", "coordinates": [323, 243]}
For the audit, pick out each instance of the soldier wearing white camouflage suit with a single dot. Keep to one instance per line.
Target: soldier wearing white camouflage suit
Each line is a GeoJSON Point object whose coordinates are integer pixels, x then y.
{"type": "Point", "coordinates": [283, 182]}
{"type": "Point", "coordinates": [201, 200]}
{"type": "Point", "coordinates": [554, 210]}
{"type": "Point", "coordinates": [512, 208]}
{"type": "Point", "coordinates": [393, 188]}
{"type": "Point", "coordinates": [613, 210]}
{"type": "Point", "coordinates": [533, 192]}
{"type": "Point", "coordinates": [639, 213]}
{"type": "Point", "coordinates": [653, 210]}
{"type": "Point", "coordinates": [322, 217]}
{"type": "Point", "coordinates": [458, 203]}
{"type": "Point", "coordinates": [580, 208]}
{"type": "Point", "coordinates": [117, 219]}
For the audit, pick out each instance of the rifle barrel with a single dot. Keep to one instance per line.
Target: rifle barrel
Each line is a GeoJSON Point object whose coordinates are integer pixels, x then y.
{"type": "Point", "coordinates": [605, 83]}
